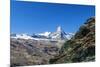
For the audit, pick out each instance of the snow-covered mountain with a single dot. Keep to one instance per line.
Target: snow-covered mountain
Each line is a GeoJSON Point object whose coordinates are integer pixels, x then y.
{"type": "Point", "coordinates": [58, 35]}
{"type": "Point", "coordinates": [45, 34]}
{"type": "Point", "coordinates": [21, 36]}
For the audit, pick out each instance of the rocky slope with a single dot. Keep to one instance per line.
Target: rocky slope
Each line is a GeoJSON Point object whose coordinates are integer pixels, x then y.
{"type": "Point", "coordinates": [32, 52]}
{"type": "Point", "coordinates": [36, 49]}
{"type": "Point", "coordinates": [80, 48]}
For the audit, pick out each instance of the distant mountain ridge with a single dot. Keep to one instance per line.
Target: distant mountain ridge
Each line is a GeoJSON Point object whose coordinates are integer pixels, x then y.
{"type": "Point", "coordinates": [58, 35]}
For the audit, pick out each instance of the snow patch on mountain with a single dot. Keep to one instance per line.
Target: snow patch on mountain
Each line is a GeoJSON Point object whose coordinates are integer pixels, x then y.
{"type": "Point", "coordinates": [58, 35]}
{"type": "Point", "coordinates": [45, 34]}
{"type": "Point", "coordinates": [21, 36]}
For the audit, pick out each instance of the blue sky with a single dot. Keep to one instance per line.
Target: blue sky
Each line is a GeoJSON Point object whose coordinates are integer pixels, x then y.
{"type": "Point", "coordinates": [36, 17]}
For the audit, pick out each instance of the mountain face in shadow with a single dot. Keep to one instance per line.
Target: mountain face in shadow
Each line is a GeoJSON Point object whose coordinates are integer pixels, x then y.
{"type": "Point", "coordinates": [80, 48]}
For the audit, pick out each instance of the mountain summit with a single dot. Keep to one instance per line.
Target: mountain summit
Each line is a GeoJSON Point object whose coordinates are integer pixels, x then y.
{"type": "Point", "coordinates": [59, 34]}
{"type": "Point", "coordinates": [59, 29]}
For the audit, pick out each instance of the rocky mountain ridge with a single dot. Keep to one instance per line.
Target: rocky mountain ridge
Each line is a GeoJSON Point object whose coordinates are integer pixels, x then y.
{"type": "Point", "coordinates": [58, 35]}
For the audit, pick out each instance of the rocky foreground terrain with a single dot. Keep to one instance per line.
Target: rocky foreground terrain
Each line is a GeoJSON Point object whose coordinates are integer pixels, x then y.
{"type": "Point", "coordinates": [32, 52]}
{"type": "Point", "coordinates": [80, 48]}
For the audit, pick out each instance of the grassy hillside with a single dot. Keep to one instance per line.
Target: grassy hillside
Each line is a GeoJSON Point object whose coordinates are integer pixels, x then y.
{"type": "Point", "coordinates": [81, 48]}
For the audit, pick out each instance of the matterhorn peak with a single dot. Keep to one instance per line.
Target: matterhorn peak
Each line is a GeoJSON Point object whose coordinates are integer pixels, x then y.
{"type": "Point", "coordinates": [59, 29]}
{"type": "Point", "coordinates": [58, 35]}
